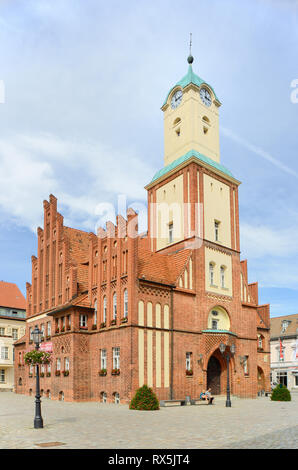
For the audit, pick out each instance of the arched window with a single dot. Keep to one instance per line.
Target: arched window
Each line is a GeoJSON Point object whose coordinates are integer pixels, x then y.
{"type": "Point", "coordinates": [114, 306]}
{"type": "Point", "coordinates": [222, 276]}
{"type": "Point", "coordinates": [117, 398]}
{"type": "Point", "coordinates": [211, 274]}
{"type": "Point", "coordinates": [104, 310]}
{"type": "Point", "coordinates": [103, 397]}
{"type": "Point", "coordinates": [95, 313]}
{"type": "Point", "coordinates": [125, 304]}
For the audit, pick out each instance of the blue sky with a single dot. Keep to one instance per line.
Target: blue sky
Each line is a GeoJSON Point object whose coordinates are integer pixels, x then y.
{"type": "Point", "coordinates": [84, 82]}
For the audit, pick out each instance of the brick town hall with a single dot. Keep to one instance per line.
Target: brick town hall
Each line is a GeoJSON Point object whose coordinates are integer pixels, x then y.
{"type": "Point", "coordinates": [121, 310]}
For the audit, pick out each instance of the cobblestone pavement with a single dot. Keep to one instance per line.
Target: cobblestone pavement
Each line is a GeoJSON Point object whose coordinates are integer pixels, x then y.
{"type": "Point", "coordinates": [248, 424]}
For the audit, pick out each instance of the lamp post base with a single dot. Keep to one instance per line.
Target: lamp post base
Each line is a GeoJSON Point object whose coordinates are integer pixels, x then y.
{"type": "Point", "coordinates": [38, 423]}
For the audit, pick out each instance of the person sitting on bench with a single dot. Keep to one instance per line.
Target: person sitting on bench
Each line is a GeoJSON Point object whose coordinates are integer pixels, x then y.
{"type": "Point", "coordinates": [207, 396]}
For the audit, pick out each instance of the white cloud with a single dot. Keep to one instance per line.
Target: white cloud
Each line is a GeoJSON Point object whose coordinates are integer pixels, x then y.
{"type": "Point", "coordinates": [80, 174]}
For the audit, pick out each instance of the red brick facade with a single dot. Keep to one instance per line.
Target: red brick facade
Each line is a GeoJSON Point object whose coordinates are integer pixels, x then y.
{"type": "Point", "coordinates": [74, 271]}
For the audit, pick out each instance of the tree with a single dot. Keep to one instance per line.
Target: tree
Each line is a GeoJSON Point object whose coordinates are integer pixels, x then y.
{"type": "Point", "coordinates": [280, 393]}
{"type": "Point", "coordinates": [144, 399]}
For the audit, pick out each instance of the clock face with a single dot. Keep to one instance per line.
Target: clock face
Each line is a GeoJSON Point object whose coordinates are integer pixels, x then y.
{"type": "Point", "coordinates": [205, 96]}
{"type": "Point", "coordinates": [177, 98]}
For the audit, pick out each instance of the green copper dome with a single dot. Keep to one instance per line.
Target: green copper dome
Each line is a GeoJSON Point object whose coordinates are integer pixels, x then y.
{"type": "Point", "coordinates": [190, 77]}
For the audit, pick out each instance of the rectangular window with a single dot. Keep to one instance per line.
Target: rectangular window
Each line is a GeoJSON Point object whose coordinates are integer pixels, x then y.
{"type": "Point", "coordinates": [58, 364]}
{"type": "Point", "coordinates": [2, 331]}
{"type": "Point", "coordinates": [116, 358]}
{"type": "Point", "coordinates": [216, 230]}
{"type": "Point", "coordinates": [49, 328]}
{"type": "Point", "coordinates": [171, 233]}
{"type": "Point", "coordinates": [66, 363]}
{"type": "Point", "coordinates": [83, 321]}
{"type": "Point", "coordinates": [103, 359]}
{"type": "Point", "coordinates": [245, 365]}
{"type": "Point", "coordinates": [214, 324]}
{"type": "Point", "coordinates": [188, 361]}
{"type": "Point", "coordinates": [4, 352]}
{"type": "Point", "coordinates": [2, 375]}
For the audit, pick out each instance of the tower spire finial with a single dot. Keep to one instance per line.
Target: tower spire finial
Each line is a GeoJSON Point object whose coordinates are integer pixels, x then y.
{"type": "Point", "coordinates": [190, 58]}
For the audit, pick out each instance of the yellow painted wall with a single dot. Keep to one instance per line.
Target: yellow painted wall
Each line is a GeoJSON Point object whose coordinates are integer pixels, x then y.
{"type": "Point", "coordinates": [222, 317]}
{"type": "Point", "coordinates": [219, 259]}
{"type": "Point", "coordinates": [7, 341]}
{"type": "Point", "coordinates": [217, 208]}
{"type": "Point", "coordinates": [169, 208]}
{"type": "Point", "coordinates": [192, 137]}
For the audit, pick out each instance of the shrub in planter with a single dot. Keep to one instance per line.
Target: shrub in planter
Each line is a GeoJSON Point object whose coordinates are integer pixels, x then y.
{"type": "Point", "coordinates": [103, 372]}
{"type": "Point", "coordinates": [65, 373]}
{"type": "Point", "coordinates": [144, 399]}
{"type": "Point", "coordinates": [280, 393]}
{"type": "Point", "coordinates": [62, 329]}
{"type": "Point", "coordinates": [48, 374]}
{"type": "Point", "coordinates": [189, 372]}
{"type": "Point", "coordinates": [37, 357]}
{"type": "Point", "coordinates": [116, 372]}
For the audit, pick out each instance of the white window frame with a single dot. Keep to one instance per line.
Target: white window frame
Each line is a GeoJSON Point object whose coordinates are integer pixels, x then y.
{"type": "Point", "coordinates": [58, 363]}
{"type": "Point", "coordinates": [114, 306]}
{"type": "Point", "coordinates": [83, 320]}
{"type": "Point", "coordinates": [2, 376]}
{"type": "Point", "coordinates": [188, 361]}
{"type": "Point", "coordinates": [216, 230]}
{"type": "Point", "coordinates": [66, 363]}
{"type": "Point", "coordinates": [116, 358]}
{"type": "Point", "coordinates": [95, 313]}
{"type": "Point", "coordinates": [103, 358]}
{"type": "Point", "coordinates": [222, 276]}
{"type": "Point", "coordinates": [4, 352]}
{"type": "Point", "coordinates": [2, 331]}
{"type": "Point", "coordinates": [49, 328]}
{"type": "Point", "coordinates": [125, 303]}
{"type": "Point", "coordinates": [211, 274]}
{"type": "Point", "coordinates": [15, 333]}
{"type": "Point", "coordinates": [104, 309]}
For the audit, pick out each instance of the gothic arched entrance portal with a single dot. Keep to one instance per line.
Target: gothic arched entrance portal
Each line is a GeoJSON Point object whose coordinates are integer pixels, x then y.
{"type": "Point", "coordinates": [213, 375]}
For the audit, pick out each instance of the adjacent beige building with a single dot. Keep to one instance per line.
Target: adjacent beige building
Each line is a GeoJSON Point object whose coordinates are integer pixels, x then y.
{"type": "Point", "coordinates": [284, 351]}
{"type": "Point", "coordinates": [12, 327]}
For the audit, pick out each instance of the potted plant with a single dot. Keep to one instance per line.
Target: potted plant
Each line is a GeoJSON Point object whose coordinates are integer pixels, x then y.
{"type": "Point", "coordinates": [37, 357]}
{"type": "Point", "coordinates": [48, 374]}
{"type": "Point", "coordinates": [65, 373]}
{"type": "Point", "coordinates": [116, 372]}
{"type": "Point", "coordinates": [94, 326]}
{"type": "Point", "coordinates": [103, 372]}
{"type": "Point", "coordinates": [113, 322]}
{"type": "Point", "coordinates": [189, 372]}
{"type": "Point", "coordinates": [103, 325]}
{"type": "Point", "coordinates": [124, 320]}
{"type": "Point", "coordinates": [62, 329]}
{"type": "Point", "coordinates": [57, 373]}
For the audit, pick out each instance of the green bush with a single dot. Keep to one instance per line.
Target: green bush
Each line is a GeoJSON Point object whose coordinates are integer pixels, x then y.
{"type": "Point", "coordinates": [280, 393]}
{"type": "Point", "coordinates": [144, 399]}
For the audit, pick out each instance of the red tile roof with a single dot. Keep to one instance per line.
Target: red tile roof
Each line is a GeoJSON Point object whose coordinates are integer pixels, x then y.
{"type": "Point", "coordinates": [11, 296]}
{"type": "Point", "coordinates": [158, 267]}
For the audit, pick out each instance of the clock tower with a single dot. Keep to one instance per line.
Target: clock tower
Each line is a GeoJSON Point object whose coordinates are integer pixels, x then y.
{"type": "Point", "coordinates": [191, 120]}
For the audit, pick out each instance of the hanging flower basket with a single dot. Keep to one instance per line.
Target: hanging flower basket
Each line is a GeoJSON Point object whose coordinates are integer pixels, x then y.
{"type": "Point", "coordinates": [37, 357]}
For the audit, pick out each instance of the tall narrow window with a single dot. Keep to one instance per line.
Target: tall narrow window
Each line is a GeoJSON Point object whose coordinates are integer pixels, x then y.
{"type": "Point", "coordinates": [14, 334]}
{"type": "Point", "coordinates": [114, 306]}
{"type": "Point", "coordinates": [216, 230]}
{"type": "Point", "coordinates": [245, 365]}
{"type": "Point", "coordinates": [2, 375]}
{"type": "Point", "coordinates": [104, 309]}
{"type": "Point", "coordinates": [83, 321]}
{"type": "Point", "coordinates": [66, 363]}
{"type": "Point", "coordinates": [116, 358]}
{"type": "Point", "coordinates": [222, 276]}
{"type": "Point", "coordinates": [103, 359]}
{"type": "Point", "coordinates": [125, 313]}
{"type": "Point", "coordinates": [171, 233]}
{"type": "Point", "coordinates": [211, 274]}
{"type": "Point", "coordinates": [48, 328]}
{"type": "Point", "coordinates": [188, 361]}
{"type": "Point", "coordinates": [95, 313]}
{"type": "Point", "coordinates": [58, 364]}
{"type": "Point", "coordinates": [214, 324]}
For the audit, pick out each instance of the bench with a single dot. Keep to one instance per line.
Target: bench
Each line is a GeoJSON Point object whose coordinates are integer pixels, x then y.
{"type": "Point", "coordinates": [201, 401]}
{"type": "Point", "coordinates": [171, 402]}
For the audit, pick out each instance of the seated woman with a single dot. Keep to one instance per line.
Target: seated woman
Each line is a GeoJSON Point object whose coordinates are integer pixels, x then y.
{"type": "Point", "coordinates": [207, 396]}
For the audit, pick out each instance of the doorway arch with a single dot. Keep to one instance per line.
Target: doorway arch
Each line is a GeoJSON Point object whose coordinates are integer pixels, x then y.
{"type": "Point", "coordinates": [213, 375]}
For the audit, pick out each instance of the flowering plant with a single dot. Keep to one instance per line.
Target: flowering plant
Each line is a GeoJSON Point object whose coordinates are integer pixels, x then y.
{"type": "Point", "coordinates": [189, 372]}
{"type": "Point", "coordinates": [115, 371]}
{"type": "Point", "coordinates": [37, 357]}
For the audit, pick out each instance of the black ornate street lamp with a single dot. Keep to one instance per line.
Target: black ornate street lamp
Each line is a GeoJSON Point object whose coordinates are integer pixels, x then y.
{"type": "Point", "coordinates": [38, 421]}
{"type": "Point", "coordinates": [228, 355]}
